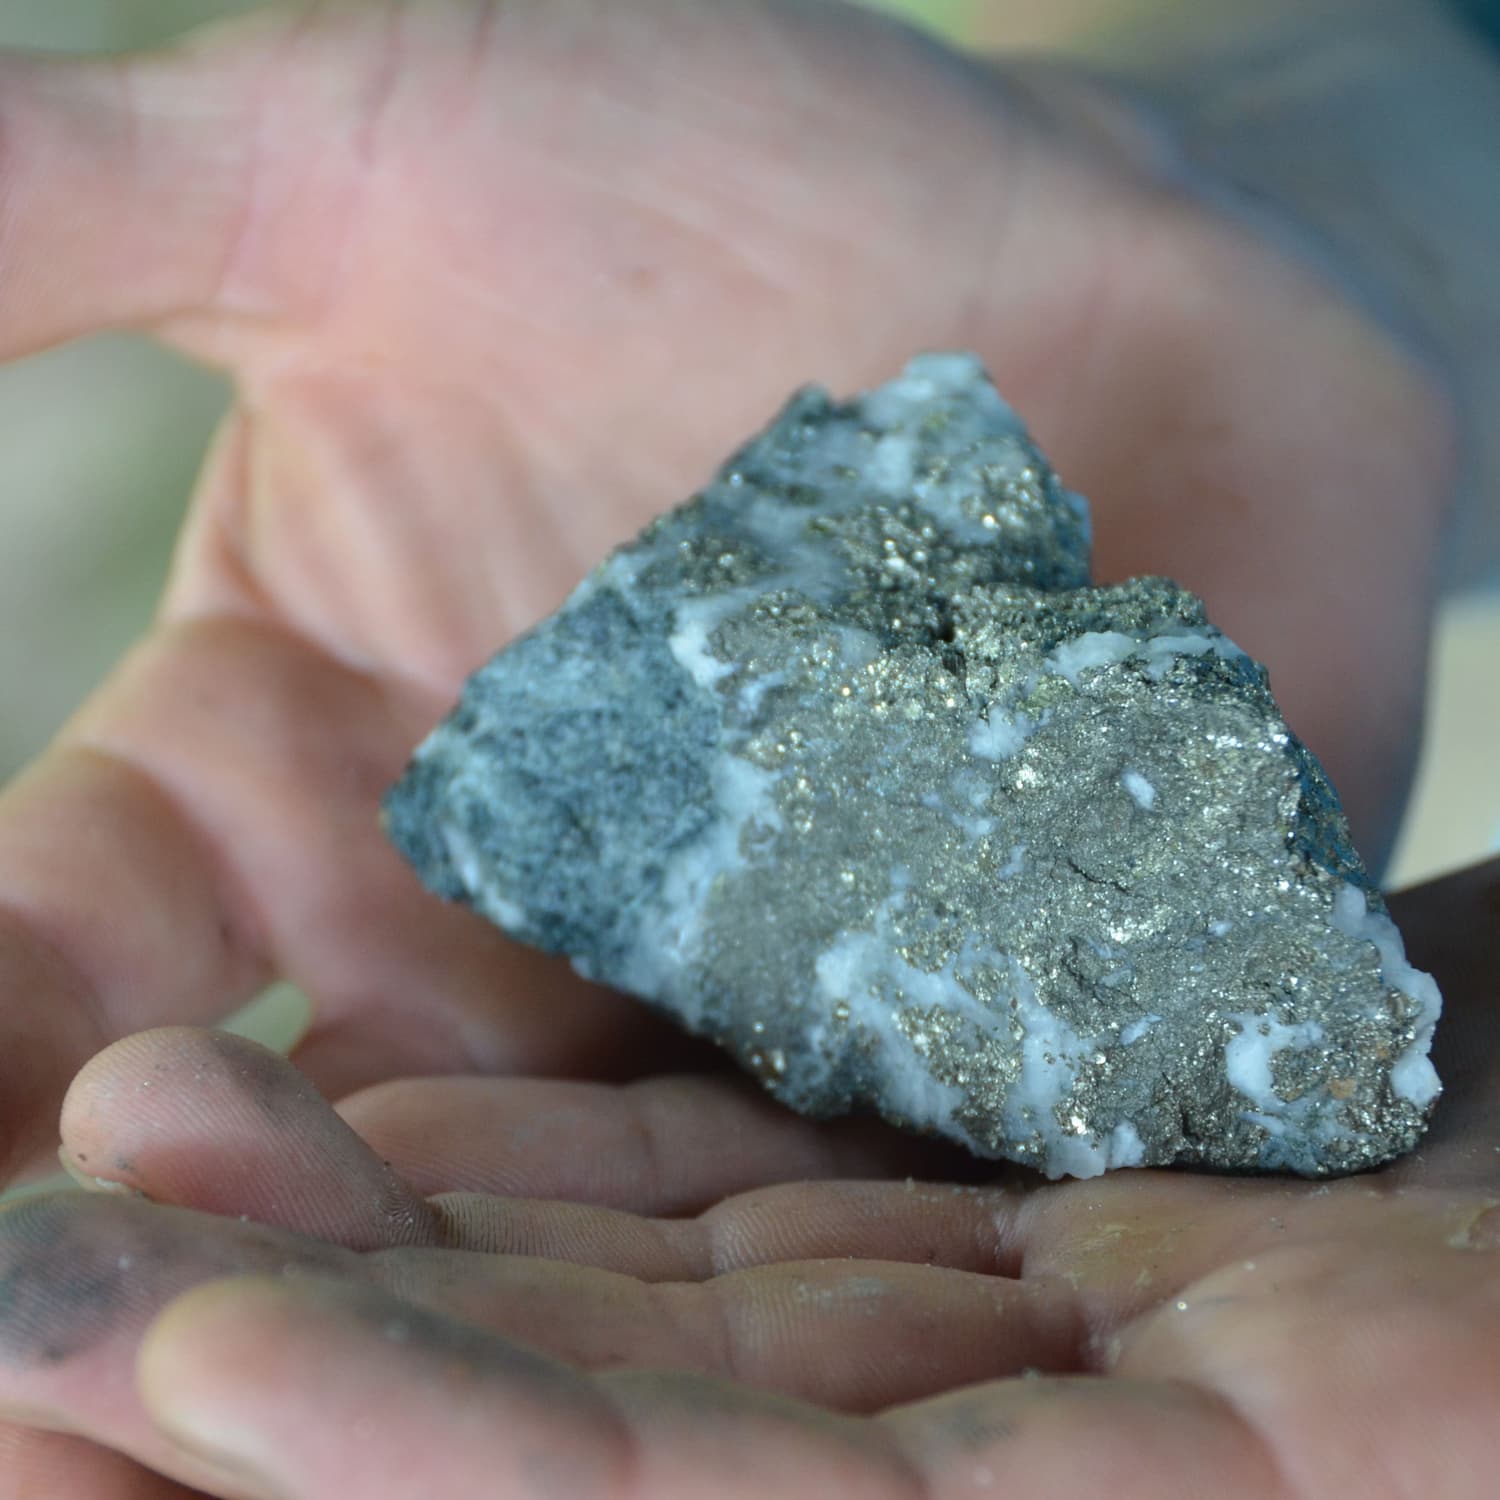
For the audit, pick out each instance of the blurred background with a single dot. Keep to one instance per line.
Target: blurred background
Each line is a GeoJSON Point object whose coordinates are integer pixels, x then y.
{"type": "Point", "coordinates": [99, 443]}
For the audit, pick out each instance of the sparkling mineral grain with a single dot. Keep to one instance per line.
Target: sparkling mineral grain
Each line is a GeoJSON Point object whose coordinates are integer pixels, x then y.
{"type": "Point", "coordinates": [845, 764]}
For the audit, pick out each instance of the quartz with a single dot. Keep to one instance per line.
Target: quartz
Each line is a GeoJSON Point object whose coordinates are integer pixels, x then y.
{"type": "Point", "coordinates": [846, 764]}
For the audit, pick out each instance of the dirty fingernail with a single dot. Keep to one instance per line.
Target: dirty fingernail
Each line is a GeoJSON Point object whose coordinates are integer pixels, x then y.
{"type": "Point", "coordinates": [89, 1182]}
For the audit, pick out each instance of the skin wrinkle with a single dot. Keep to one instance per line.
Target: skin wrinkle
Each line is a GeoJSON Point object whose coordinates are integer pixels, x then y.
{"type": "Point", "coordinates": [245, 928]}
{"type": "Point", "coordinates": [718, 1325]}
{"type": "Point", "coordinates": [369, 126]}
{"type": "Point", "coordinates": [241, 926]}
{"type": "Point", "coordinates": [216, 526]}
{"type": "Point", "coordinates": [1259, 1438]}
{"type": "Point", "coordinates": [572, 529]}
{"type": "Point", "coordinates": [687, 1307]}
{"type": "Point", "coordinates": [649, 1147]}
{"type": "Point", "coordinates": [714, 1229]}
{"type": "Point", "coordinates": [34, 933]}
{"type": "Point", "coordinates": [715, 210]}
{"type": "Point", "coordinates": [480, 49]}
{"type": "Point", "coordinates": [557, 423]}
{"type": "Point", "coordinates": [656, 1405]}
{"type": "Point", "coordinates": [1281, 1274]}
{"type": "Point", "coordinates": [269, 633]}
{"type": "Point", "coordinates": [1053, 1389]}
{"type": "Point", "coordinates": [376, 103]}
{"type": "Point", "coordinates": [336, 470]}
{"type": "Point", "coordinates": [225, 289]}
{"type": "Point", "coordinates": [712, 244]}
{"type": "Point", "coordinates": [220, 531]}
{"type": "Point", "coordinates": [686, 209]}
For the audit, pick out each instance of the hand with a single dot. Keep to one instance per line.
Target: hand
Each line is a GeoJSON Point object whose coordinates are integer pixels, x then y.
{"type": "Point", "coordinates": [496, 283]}
{"type": "Point", "coordinates": [760, 1323]}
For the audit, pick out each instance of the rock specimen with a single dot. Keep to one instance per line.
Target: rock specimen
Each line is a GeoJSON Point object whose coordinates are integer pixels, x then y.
{"type": "Point", "coordinates": [845, 764]}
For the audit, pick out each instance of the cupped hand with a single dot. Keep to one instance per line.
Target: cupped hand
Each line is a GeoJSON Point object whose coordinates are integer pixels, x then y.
{"type": "Point", "coordinates": [495, 283]}
{"type": "Point", "coordinates": [673, 1288]}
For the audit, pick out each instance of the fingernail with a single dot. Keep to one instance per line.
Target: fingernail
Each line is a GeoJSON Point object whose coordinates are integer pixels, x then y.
{"type": "Point", "coordinates": [207, 1444]}
{"type": "Point", "coordinates": [86, 1179]}
{"type": "Point", "coordinates": [1482, 1232]}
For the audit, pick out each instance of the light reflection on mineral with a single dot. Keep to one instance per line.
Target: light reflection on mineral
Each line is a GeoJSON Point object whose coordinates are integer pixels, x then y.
{"type": "Point", "coordinates": [846, 765]}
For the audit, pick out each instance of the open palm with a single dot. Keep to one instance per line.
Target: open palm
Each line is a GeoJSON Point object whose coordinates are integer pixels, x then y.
{"type": "Point", "coordinates": [497, 282]}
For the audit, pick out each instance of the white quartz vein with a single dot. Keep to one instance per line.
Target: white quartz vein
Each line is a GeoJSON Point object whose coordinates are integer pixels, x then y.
{"type": "Point", "coordinates": [1413, 1077]}
{"type": "Point", "coordinates": [864, 972]}
{"type": "Point", "coordinates": [1107, 648]}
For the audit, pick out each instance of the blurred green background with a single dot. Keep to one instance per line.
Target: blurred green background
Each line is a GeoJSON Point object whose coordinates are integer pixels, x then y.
{"type": "Point", "coordinates": [99, 443]}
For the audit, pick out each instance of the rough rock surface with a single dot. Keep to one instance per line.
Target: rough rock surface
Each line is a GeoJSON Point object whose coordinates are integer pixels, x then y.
{"type": "Point", "coordinates": [844, 764]}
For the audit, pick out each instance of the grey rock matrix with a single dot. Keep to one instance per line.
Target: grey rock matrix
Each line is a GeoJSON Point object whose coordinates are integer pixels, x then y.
{"type": "Point", "coordinates": [845, 764]}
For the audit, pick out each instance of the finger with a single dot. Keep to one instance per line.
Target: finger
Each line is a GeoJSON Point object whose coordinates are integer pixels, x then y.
{"type": "Point", "coordinates": [113, 908]}
{"type": "Point", "coordinates": [522, 1425]}
{"type": "Point", "coordinates": [1118, 1253]}
{"type": "Point", "coordinates": [214, 1122]}
{"type": "Point", "coordinates": [218, 1369]}
{"type": "Point", "coordinates": [958, 1228]}
{"type": "Point", "coordinates": [122, 192]}
{"type": "Point", "coordinates": [850, 1334]}
{"type": "Point", "coordinates": [82, 1276]}
{"type": "Point", "coordinates": [207, 1121]}
{"type": "Point", "coordinates": [210, 1121]}
{"type": "Point", "coordinates": [393, 1378]}
{"type": "Point", "coordinates": [282, 754]}
{"type": "Point", "coordinates": [1075, 1437]}
{"type": "Point", "coordinates": [658, 1145]}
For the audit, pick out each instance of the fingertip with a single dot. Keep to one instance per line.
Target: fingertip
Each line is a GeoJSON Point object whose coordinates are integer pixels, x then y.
{"type": "Point", "coordinates": [192, 1370]}
{"type": "Point", "coordinates": [137, 1086]}
{"type": "Point", "coordinates": [204, 1337]}
{"type": "Point", "coordinates": [98, 1082]}
{"type": "Point", "coordinates": [208, 1120]}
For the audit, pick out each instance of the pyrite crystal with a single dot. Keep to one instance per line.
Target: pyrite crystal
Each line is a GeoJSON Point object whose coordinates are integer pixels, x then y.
{"type": "Point", "coordinates": [845, 764]}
